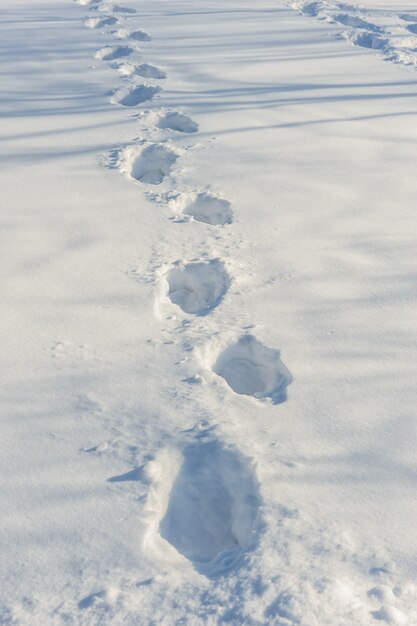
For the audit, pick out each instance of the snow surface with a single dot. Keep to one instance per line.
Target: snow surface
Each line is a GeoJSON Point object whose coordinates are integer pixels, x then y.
{"type": "Point", "coordinates": [208, 313]}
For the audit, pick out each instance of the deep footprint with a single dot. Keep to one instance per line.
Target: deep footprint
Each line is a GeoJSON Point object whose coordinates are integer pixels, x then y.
{"type": "Point", "coordinates": [137, 35]}
{"type": "Point", "coordinates": [409, 17]}
{"type": "Point", "coordinates": [369, 40]}
{"type": "Point", "coordinates": [140, 35]}
{"type": "Point", "coordinates": [355, 22]}
{"type": "Point", "coordinates": [135, 95]}
{"type": "Point", "coordinates": [110, 53]}
{"type": "Point", "coordinates": [149, 164]}
{"type": "Point", "coordinates": [149, 71]}
{"type": "Point", "coordinates": [177, 121]}
{"type": "Point", "coordinates": [100, 22]}
{"type": "Point", "coordinates": [213, 508]}
{"type": "Point", "coordinates": [412, 28]}
{"type": "Point", "coordinates": [204, 207]}
{"type": "Point", "coordinates": [145, 70]}
{"type": "Point", "coordinates": [252, 369]}
{"type": "Point", "coordinates": [108, 7]}
{"type": "Point", "coordinates": [197, 287]}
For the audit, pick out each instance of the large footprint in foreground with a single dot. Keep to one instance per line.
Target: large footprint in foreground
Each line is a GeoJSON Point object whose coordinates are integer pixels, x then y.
{"type": "Point", "coordinates": [252, 369]}
{"type": "Point", "coordinates": [147, 163]}
{"type": "Point", "coordinates": [212, 508]}
{"type": "Point", "coordinates": [197, 287]}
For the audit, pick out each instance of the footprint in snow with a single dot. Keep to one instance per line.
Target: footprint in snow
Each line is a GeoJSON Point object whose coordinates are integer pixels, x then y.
{"type": "Point", "coordinates": [355, 22]}
{"type": "Point", "coordinates": [110, 53]}
{"type": "Point", "coordinates": [145, 70]}
{"type": "Point", "coordinates": [412, 28]}
{"type": "Point", "coordinates": [108, 7]}
{"type": "Point", "coordinates": [100, 22]}
{"type": "Point", "coordinates": [313, 9]}
{"type": "Point", "coordinates": [147, 163]}
{"type": "Point", "coordinates": [213, 508]}
{"type": "Point", "coordinates": [409, 17]}
{"type": "Point", "coordinates": [197, 287]}
{"type": "Point", "coordinates": [177, 121]}
{"type": "Point", "coordinates": [136, 35]}
{"type": "Point", "coordinates": [369, 40]}
{"type": "Point", "coordinates": [202, 207]}
{"type": "Point", "coordinates": [252, 369]}
{"type": "Point", "coordinates": [132, 96]}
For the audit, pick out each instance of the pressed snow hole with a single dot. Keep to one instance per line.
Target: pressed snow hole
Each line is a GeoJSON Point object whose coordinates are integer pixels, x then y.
{"type": "Point", "coordinates": [212, 507]}
{"type": "Point", "coordinates": [198, 287]}
{"type": "Point", "coordinates": [136, 95]}
{"type": "Point", "coordinates": [369, 40]}
{"type": "Point", "coordinates": [108, 7]}
{"type": "Point", "coordinates": [252, 369]}
{"type": "Point", "coordinates": [110, 53]}
{"type": "Point", "coordinates": [150, 165]}
{"type": "Point", "coordinates": [140, 35]}
{"type": "Point", "coordinates": [149, 71]}
{"type": "Point", "coordinates": [177, 121]}
{"type": "Point", "coordinates": [409, 17]}
{"type": "Point", "coordinates": [205, 207]}
{"type": "Point", "coordinates": [354, 21]}
{"type": "Point", "coordinates": [100, 22]}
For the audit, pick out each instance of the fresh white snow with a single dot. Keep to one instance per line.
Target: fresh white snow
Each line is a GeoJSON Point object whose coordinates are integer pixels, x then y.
{"type": "Point", "coordinates": [209, 253]}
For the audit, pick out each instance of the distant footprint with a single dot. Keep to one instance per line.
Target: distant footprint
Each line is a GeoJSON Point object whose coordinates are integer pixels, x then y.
{"type": "Point", "coordinates": [110, 53]}
{"type": "Point", "coordinates": [108, 7]}
{"type": "Point", "coordinates": [252, 369]}
{"type": "Point", "coordinates": [177, 121]}
{"type": "Point", "coordinates": [145, 70]}
{"type": "Point", "coordinates": [369, 40]}
{"type": "Point", "coordinates": [100, 22]}
{"type": "Point", "coordinates": [312, 8]}
{"type": "Point", "coordinates": [355, 22]}
{"type": "Point", "coordinates": [132, 96]}
{"type": "Point", "coordinates": [203, 207]}
{"type": "Point", "coordinates": [213, 507]}
{"type": "Point", "coordinates": [136, 35]}
{"type": "Point", "coordinates": [409, 17]}
{"type": "Point", "coordinates": [147, 163]}
{"type": "Point", "coordinates": [197, 287]}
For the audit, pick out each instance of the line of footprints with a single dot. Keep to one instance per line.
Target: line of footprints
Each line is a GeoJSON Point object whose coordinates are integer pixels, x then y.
{"type": "Point", "coordinates": [209, 513]}
{"type": "Point", "coordinates": [203, 501]}
{"type": "Point", "coordinates": [395, 37]}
